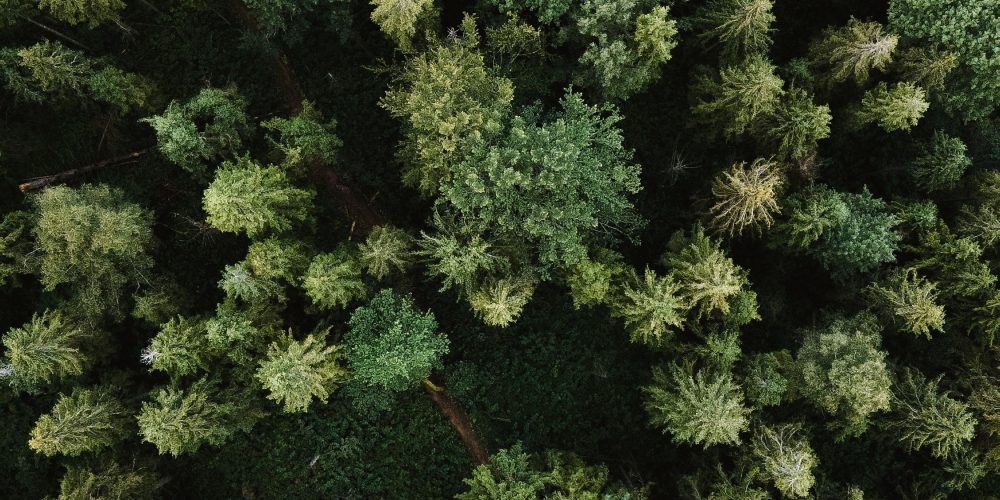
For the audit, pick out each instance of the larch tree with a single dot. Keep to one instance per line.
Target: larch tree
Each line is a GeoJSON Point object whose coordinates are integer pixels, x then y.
{"type": "Point", "coordinates": [295, 372]}
{"type": "Point", "coordinates": [83, 421]}
{"type": "Point", "coordinates": [696, 407]}
{"type": "Point", "coordinates": [746, 197]}
{"type": "Point", "coordinates": [894, 108]}
{"type": "Point", "coordinates": [853, 51]}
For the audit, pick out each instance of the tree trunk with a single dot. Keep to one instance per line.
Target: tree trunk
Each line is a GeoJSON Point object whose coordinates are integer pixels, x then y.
{"type": "Point", "coordinates": [40, 182]}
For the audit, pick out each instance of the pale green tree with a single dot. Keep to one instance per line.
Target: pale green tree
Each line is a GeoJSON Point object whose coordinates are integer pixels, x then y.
{"type": "Point", "coordinates": [788, 460]}
{"type": "Point", "coordinates": [696, 407]}
{"type": "Point", "coordinates": [652, 308]}
{"type": "Point", "coordinates": [853, 51]}
{"type": "Point", "coordinates": [597, 279]}
{"type": "Point", "coordinates": [305, 136]}
{"type": "Point", "coordinates": [500, 302]}
{"type": "Point", "coordinates": [459, 256]}
{"type": "Point", "coordinates": [746, 197]}
{"type": "Point", "coordinates": [924, 416]}
{"type": "Point", "coordinates": [334, 279]}
{"type": "Point", "coordinates": [180, 348]}
{"type": "Point", "coordinates": [912, 300]}
{"type": "Point", "coordinates": [926, 66]}
{"type": "Point", "coordinates": [398, 19]}
{"type": "Point", "coordinates": [295, 372]}
{"type": "Point", "coordinates": [796, 125]}
{"type": "Point", "coordinates": [85, 420]}
{"type": "Point", "coordinates": [43, 350]}
{"type": "Point", "coordinates": [708, 278]}
{"type": "Point", "coordinates": [897, 108]}
{"type": "Point", "coordinates": [386, 250]}
{"type": "Point", "coordinates": [246, 196]}
{"type": "Point", "coordinates": [741, 94]}
{"type": "Point", "coordinates": [106, 481]}
{"type": "Point", "coordinates": [742, 27]}
{"type": "Point", "coordinates": [91, 12]}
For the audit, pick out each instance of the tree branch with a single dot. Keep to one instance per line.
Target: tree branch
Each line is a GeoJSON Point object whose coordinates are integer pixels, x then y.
{"type": "Point", "coordinates": [40, 182]}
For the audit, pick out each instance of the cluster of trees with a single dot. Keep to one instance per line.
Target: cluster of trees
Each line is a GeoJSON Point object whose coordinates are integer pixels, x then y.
{"type": "Point", "coordinates": [505, 249]}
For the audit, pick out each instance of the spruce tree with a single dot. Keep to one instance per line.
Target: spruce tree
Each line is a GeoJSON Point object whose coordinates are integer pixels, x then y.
{"type": "Point", "coordinates": [696, 407]}
{"type": "Point", "coordinates": [85, 420]}
{"type": "Point", "coordinates": [853, 51]}
{"type": "Point", "coordinates": [788, 460]}
{"type": "Point", "coordinates": [742, 27]}
{"type": "Point", "coordinates": [896, 108]}
{"type": "Point", "coordinates": [44, 350]}
{"type": "Point", "coordinates": [298, 371]}
{"type": "Point", "coordinates": [941, 162]}
{"type": "Point", "coordinates": [652, 308]}
{"type": "Point", "coordinates": [746, 197]}
{"type": "Point", "coordinates": [743, 93]}
{"type": "Point", "coordinates": [926, 417]}
{"type": "Point", "coordinates": [334, 279]}
{"type": "Point", "coordinates": [913, 301]}
{"type": "Point", "coordinates": [708, 279]}
{"type": "Point", "coordinates": [386, 250]}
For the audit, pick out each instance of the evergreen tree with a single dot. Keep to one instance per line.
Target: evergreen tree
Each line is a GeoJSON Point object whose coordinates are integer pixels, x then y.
{"type": "Point", "coordinates": [797, 125]}
{"type": "Point", "coordinates": [840, 369]}
{"type": "Point", "coordinates": [597, 279]}
{"type": "Point", "coordinates": [708, 279]}
{"type": "Point", "coordinates": [92, 12]}
{"type": "Point", "coordinates": [39, 352]}
{"type": "Point", "coordinates": [461, 259]}
{"type": "Point", "coordinates": [398, 19]}
{"type": "Point", "coordinates": [941, 162]}
{"type": "Point", "coordinates": [696, 408]}
{"type": "Point", "coordinates": [248, 197]}
{"type": "Point", "coordinates": [239, 282]}
{"type": "Point", "coordinates": [853, 51]}
{"type": "Point", "coordinates": [86, 420]}
{"type": "Point", "coordinates": [180, 348]}
{"type": "Point", "coordinates": [742, 94]}
{"type": "Point", "coordinates": [305, 136]}
{"type": "Point", "coordinates": [391, 344]}
{"type": "Point", "coordinates": [651, 308]}
{"type": "Point", "coordinates": [278, 258]}
{"type": "Point", "coordinates": [742, 27]}
{"type": "Point", "coordinates": [333, 279]}
{"type": "Point", "coordinates": [926, 66]}
{"type": "Point", "coordinates": [109, 480]}
{"type": "Point", "coordinates": [746, 197]}
{"type": "Point", "coordinates": [386, 250]}
{"type": "Point", "coordinates": [912, 300]}
{"type": "Point", "coordinates": [298, 371]}
{"type": "Point", "coordinates": [787, 458]}
{"type": "Point", "coordinates": [764, 383]}
{"type": "Point", "coordinates": [924, 416]}
{"type": "Point", "coordinates": [500, 302]}
{"type": "Point", "coordinates": [896, 108]}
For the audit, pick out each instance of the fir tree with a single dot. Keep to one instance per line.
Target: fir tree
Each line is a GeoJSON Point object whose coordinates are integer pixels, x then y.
{"type": "Point", "coordinates": [924, 416]}
{"type": "Point", "coordinates": [941, 162]}
{"type": "Point", "coordinates": [652, 308]}
{"type": "Point", "coordinates": [298, 371]}
{"type": "Point", "coordinates": [696, 408]}
{"type": "Point", "coordinates": [746, 197]}
{"type": "Point", "coordinates": [896, 108]}
{"type": "Point", "coordinates": [854, 50]}
{"type": "Point", "coordinates": [46, 349]}
{"type": "Point", "coordinates": [86, 420]}
{"type": "Point", "coordinates": [333, 279]}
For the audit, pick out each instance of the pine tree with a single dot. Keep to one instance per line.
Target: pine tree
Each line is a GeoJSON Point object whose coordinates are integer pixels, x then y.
{"type": "Point", "coordinates": [296, 372]}
{"type": "Point", "coordinates": [941, 162]}
{"type": "Point", "coordinates": [746, 197]}
{"type": "Point", "coordinates": [852, 51]}
{"type": "Point", "coordinates": [248, 197]}
{"type": "Point", "coordinates": [896, 108]}
{"type": "Point", "coordinates": [398, 19]}
{"type": "Point", "coordinates": [912, 300]}
{"type": "Point", "coordinates": [742, 94]}
{"type": "Point", "coordinates": [334, 279]}
{"type": "Point", "coordinates": [86, 420]}
{"type": "Point", "coordinates": [787, 458]}
{"type": "Point", "coordinates": [708, 278]}
{"type": "Point", "coordinates": [180, 348]}
{"type": "Point", "coordinates": [45, 69]}
{"type": "Point", "coordinates": [743, 27]}
{"type": "Point", "coordinates": [923, 416]}
{"type": "Point", "coordinates": [392, 345]}
{"type": "Point", "coordinates": [696, 408]}
{"type": "Point", "coordinates": [44, 350]}
{"type": "Point", "coordinates": [652, 308]}
{"type": "Point", "coordinates": [386, 250]}
{"type": "Point", "coordinates": [91, 12]}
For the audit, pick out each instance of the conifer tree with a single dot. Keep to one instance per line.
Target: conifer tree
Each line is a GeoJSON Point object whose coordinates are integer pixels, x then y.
{"type": "Point", "coordinates": [296, 372]}
{"type": "Point", "coordinates": [924, 416]}
{"type": "Point", "coordinates": [232, 331]}
{"type": "Point", "coordinates": [85, 420]}
{"type": "Point", "coordinates": [334, 279]}
{"type": "Point", "coordinates": [941, 162]}
{"type": "Point", "coordinates": [854, 50]}
{"type": "Point", "coordinates": [500, 302]}
{"type": "Point", "coordinates": [41, 351]}
{"type": "Point", "coordinates": [652, 308]}
{"type": "Point", "coordinates": [386, 250]}
{"type": "Point", "coordinates": [788, 460]}
{"type": "Point", "coordinates": [696, 408]}
{"type": "Point", "coordinates": [926, 66]}
{"type": "Point", "coordinates": [15, 244]}
{"type": "Point", "coordinates": [743, 93]}
{"type": "Point", "coordinates": [107, 480]}
{"type": "Point", "coordinates": [913, 301]}
{"type": "Point", "coordinates": [180, 348]}
{"type": "Point", "coordinates": [746, 197]}
{"type": "Point", "coordinates": [392, 345]}
{"type": "Point", "coordinates": [764, 382]}
{"type": "Point", "coordinates": [742, 27]}
{"type": "Point", "coordinates": [305, 136]}
{"type": "Point", "coordinates": [91, 12]}
{"type": "Point", "coordinates": [896, 108]}
{"type": "Point", "coordinates": [398, 19]}
{"type": "Point", "coordinates": [240, 282]}
{"type": "Point", "coordinates": [597, 279]}
{"type": "Point", "coordinates": [708, 278]}
{"type": "Point", "coordinates": [459, 256]}
{"type": "Point", "coordinates": [45, 69]}
{"type": "Point", "coordinates": [797, 125]}
{"type": "Point", "coordinates": [248, 197]}
{"type": "Point", "coordinates": [278, 258]}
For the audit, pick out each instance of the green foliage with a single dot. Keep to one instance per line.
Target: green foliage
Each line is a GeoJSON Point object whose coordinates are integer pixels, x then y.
{"type": "Point", "coordinates": [853, 51]}
{"type": "Point", "coordinates": [841, 370]}
{"type": "Point", "coordinates": [306, 136]}
{"type": "Point", "coordinates": [896, 108]}
{"type": "Point", "coordinates": [508, 475]}
{"type": "Point", "coordinates": [276, 258]}
{"type": "Point", "coordinates": [764, 383]}
{"type": "Point", "coordinates": [597, 280]}
{"type": "Point", "coordinates": [91, 12]}
{"type": "Point", "coordinates": [109, 480]}
{"type": "Point", "coordinates": [742, 94]}
{"type": "Point", "coordinates": [208, 126]}
{"type": "Point", "coordinates": [448, 101]}
{"type": "Point", "coordinates": [398, 19]}
{"type": "Point", "coordinates": [298, 371]}
{"type": "Point", "coordinates": [15, 244]}
{"type": "Point", "coordinates": [551, 185]}
{"type": "Point", "coordinates": [708, 279]}
{"type": "Point", "coordinates": [926, 66]}
{"type": "Point", "coordinates": [797, 125]}
{"type": "Point", "coordinates": [969, 30]}
{"type": "Point", "coordinates": [460, 258]}
{"type": "Point", "coordinates": [86, 420]}
{"type": "Point", "coordinates": [391, 344]}
{"type": "Point", "coordinates": [696, 408]}
{"type": "Point", "coordinates": [238, 281]}
{"type": "Point", "coordinates": [45, 69]}
{"type": "Point", "coordinates": [742, 27]}
{"type": "Point", "coordinates": [787, 458]}
{"type": "Point", "coordinates": [232, 331]}
{"type": "Point", "coordinates": [248, 197]}
{"type": "Point", "coordinates": [334, 279]}
{"type": "Point", "coordinates": [39, 352]}
{"type": "Point", "coordinates": [179, 421]}
{"type": "Point", "coordinates": [93, 241]}
{"type": "Point", "coordinates": [500, 302]}
{"type": "Point", "coordinates": [924, 416]}
{"type": "Point", "coordinates": [652, 307]}
{"type": "Point", "coordinates": [386, 250]}
{"type": "Point", "coordinates": [913, 301]}
{"type": "Point", "coordinates": [955, 264]}
{"type": "Point", "coordinates": [180, 348]}
{"type": "Point", "coordinates": [941, 162]}
{"type": "Point", "coordinates": [119, 88]}
{"type": "Point", "coordinates": [746, 197]}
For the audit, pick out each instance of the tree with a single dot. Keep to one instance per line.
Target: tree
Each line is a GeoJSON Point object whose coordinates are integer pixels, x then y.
{"type": "Point", "coordinates": [305, 136]}
{"type": "Point", "coordinates": [398, 19]}
{"type": "Point", "coordinates": [386, 250]}
{"type": "Point", "coordinates": [209, 125]}
{"type": "Point", "coordinates": [448, 101]}
{"type": "Point", "coordinates": [296, 372]}
{"type": "Point", "coordinates": [86, 420]}
{"type": "Point", "coordinates": [841, 370]}
{"type": "Point", "coordinates": [764, 383]}
{"type": "Point", "coordinates": [651, 308]}
{"type": "Point", "coordinates": [746, 197]}
{"type": "Point", "coordinates": [15, 244]}
{"type": "Point", "coordinates": [278, 258]}
{"type": "Point", "coordinates": [500, 302]}
{"type": "Point", "coordinates": [698, 408]}
{"type": "Point", "coordinates": [92, 12]}
{"type": "Point", "coordinates": [923, 416]}
{"type": "Point", "coordinates": [550, 186]}
{"type": "Point", "coordinates": [240, 282]}
{"type": "Point", "coordinates": [787, 457]}
{"type": "Point", "coordinates": [896, 108]}
{"type": "Point", "coordinates": [461, 258]}
{"type": "Point", "coordinates": [248, 197]}
{"type": "Point", "coordinates": [743, 27]}
{"type": "Point", "coordinates": [180, 348]}
{"type": "Point", "coordinates": [108, 480]}
{"type": "Point", "coordinates": [392, 345]}
{"type": "Point", "coordinates": [508, 475]}
{"type": "Point", "coordinates": [797, 125]}
{"type": "Point", "coordinates": [926, 66]}
{"type": "Point", "coordinates": [46, 349]}
{"type": "Point", "coordinates": [179, 421]}
{"type": "Point", "coordinates": [742, 94]}
{"type": "Point", "coordinates": [597, 279]}
{"type": "Point", "coordinates": [92, 240]}
{"type": "Point", "coordinates": [708, 279]}
{"type": "Point", "coordinates": [334, 279]}
{"type": "Point", "coordinates": [912, 300]}
{"type": "Point", "coordinates": [852, 51]}
{"type": "Point", "coordinates": [45, 69]}
{"type": "Point", "coordinates": [941, 162]}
